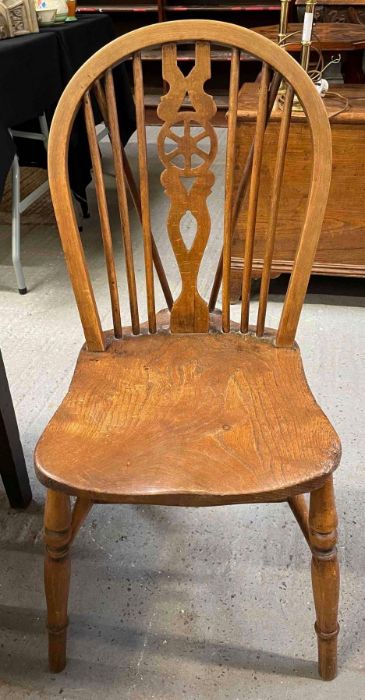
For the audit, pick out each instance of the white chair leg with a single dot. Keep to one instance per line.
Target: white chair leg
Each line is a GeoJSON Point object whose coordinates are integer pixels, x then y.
{"type": "Point", "coordinates": [15, 227]}
{"type": "Point", "coordinates": [44, 129]}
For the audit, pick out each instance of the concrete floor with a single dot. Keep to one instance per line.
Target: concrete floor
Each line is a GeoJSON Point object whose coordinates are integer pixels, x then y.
{"type": "Point", "coordinates": [169, 603]}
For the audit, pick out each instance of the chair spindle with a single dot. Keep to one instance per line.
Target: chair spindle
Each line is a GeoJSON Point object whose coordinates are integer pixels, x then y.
{"type": "Point", "coordinates": [274, 209]}
{"type": "Point", "coordinates": [122, 198]}
{"type": "Point", "coordinates": [241, 191]}
{"type": "Point", "coordinates": [103, 214]}
{"type": "Point", "coordinates": [133, 191]}
{"type": "Point", "coordinates": [100, 98]}
{"type": "Point", "coordinates": [144, 189]}
{"type": "Point", "coordinates": [229, 196]}
{"type": "Point", "coordinates": [253, 196]}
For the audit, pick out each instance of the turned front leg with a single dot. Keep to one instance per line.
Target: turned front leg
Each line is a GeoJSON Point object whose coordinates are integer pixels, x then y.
{"type": "Point", "coordinates": [57, 535]}
{"type": "Point", "coordinates": [325, 576]}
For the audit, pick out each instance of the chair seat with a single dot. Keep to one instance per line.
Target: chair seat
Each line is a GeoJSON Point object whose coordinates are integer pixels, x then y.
{"type": "Point", "coordinates": [188, 420]}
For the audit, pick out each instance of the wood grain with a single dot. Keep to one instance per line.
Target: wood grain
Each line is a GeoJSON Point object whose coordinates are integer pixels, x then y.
{"type": "Point", "coordinates": [103, 215]}
{"type": "Point", "coordinates": [240, 190]}
{"type": "Point", "coordinates": [132, 188]}
{"type": "Point", "coordinates": [254, 195]}
{"type": "Point", "coordinates": [189, 312]}
{"type": "Point", "coordinates": [229, 189]}
{"type": "Point", "coordinates": [341, 246]}
{"type": "Point", "coordinates": [182, 413]}
{"type": "Point", "coordinates": [144, 190]}
{"type": "Point", "coordinates": [201, 31]}
{"type": "Point", "coordinates": [329, 35]}
{"type": "Point", "coordinates": [57, 569]}
{"type": "Point", "coordinates": [180, 403]}
{"type": "Point", "coordinates": [299, 507]}
{"type": "Point", "coordinates": [80, 512]}
{"type": "Point", "coordinates": [274, 210]}
{"type": "Point", "coordinates": [112, 121]}
{"type": "Point", "coordinates": [325, 575]}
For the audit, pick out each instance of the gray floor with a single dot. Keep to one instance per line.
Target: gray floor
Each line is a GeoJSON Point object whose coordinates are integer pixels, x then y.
{"type": "Point", "coordinates": [168, 603]}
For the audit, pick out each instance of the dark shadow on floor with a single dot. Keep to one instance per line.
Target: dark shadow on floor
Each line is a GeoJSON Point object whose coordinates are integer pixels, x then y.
{"type": "Point", "coordinates": [337, 291]}
{"type": "Point", "coordinates": [207, 652]}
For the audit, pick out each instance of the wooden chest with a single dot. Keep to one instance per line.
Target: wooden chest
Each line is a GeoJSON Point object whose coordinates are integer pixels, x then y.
{"type": "Point", "coordinates": [341, 249]}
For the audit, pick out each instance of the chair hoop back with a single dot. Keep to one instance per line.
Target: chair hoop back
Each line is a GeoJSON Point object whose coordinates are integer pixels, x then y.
{"type": "Point", "coordinates": [187, 146]}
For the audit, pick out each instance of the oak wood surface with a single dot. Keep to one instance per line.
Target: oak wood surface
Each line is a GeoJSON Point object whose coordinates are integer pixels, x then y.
{"type": "Point", "coordinates": [239, 197]}
{"type": "Point", "coordinates": [124, 177]}
{"type": "Point", "coordinates": [176, 411]}
{"type": "Point", "coordinates": [80, 512]}
{"type": "Point", "coordinates": [144, 190]}
{"type": "Point", "coordinates": [341, 247]}
{"type": "Point", "coordinates": [299, 508]}
{"type": "Point", "coordinates": [57, 570]}
{"type": "Point", "coordinates": [187, 160]}
{"type": "Point", "coordinates": [188, 420]}
{"type": "Point", "coordinates": [253, 195]}
{"type": "Point", "coordinates": [330, 36]}
{"type": "Point", "coordinates": [202, 30]}
{"type": "Point", "coordinates": [112, 121]}
{"type": "Point", "coordinates": [104, 216]}
{"type": "Point", "coordinates": [343, 3]}
{"type": "Point", "coordinates": [325, 575]}
{"type": "Point", "coordinates": [229, 222]}
{"type": "Point", "coordinates": [354, 114]}
{"type": "Point", "coordinates": [274, 210]}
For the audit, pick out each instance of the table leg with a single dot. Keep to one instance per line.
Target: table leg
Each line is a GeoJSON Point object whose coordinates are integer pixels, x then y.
{"type": "Point", "coordinates": [15, 228]}
{"type": "Point", "coordinates": [12, 464]}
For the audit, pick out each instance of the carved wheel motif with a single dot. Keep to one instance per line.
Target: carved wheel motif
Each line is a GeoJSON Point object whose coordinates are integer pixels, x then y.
{"type": "Point", "coordinates": [187, 150]}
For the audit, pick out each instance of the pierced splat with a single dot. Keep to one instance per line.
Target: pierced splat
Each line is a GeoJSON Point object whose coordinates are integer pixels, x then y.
{"type": "Point", "coordinates": [187, 146]}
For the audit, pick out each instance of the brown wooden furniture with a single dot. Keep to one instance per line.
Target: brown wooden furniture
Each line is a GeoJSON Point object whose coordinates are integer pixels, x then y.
{"type": "Point", "coordinates": [331, 37]}
{"type": "Point", "coordinates": [127, 15]}
{"type": "Point", "coordinates": [338, 11]}
{"type": "Point", "coordinates": [341, 248]}
{"type": "Point", "coordinates": [342, 12]}
{"type": "Point", "coordinates": [347, 39]}
{"type": "Point", "coordinates": [189, 409]}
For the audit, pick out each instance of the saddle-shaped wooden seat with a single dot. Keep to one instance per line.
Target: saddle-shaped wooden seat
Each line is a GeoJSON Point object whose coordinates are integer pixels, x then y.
{"type": "Point", "coordinates": [188, 420]}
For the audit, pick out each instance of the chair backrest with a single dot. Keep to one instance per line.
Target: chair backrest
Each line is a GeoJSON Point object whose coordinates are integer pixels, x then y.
{"type": "Point", "coordinates": [187, 156]}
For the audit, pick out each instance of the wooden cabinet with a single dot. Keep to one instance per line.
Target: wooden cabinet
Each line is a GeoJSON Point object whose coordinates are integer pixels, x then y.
{"type": "Point", "coordinates": [338, 10]}
{"type": "Point", "coordinates": [341, 249]}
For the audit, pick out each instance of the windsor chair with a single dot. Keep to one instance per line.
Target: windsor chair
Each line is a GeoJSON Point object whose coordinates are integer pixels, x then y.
{"type": "Point", "coordinates": [189, 408]}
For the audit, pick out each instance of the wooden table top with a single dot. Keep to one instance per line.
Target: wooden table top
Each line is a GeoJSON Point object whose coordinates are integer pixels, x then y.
{"type": "Point", "coordinates": [355, 114]}
{"type": "Point", "coordinates": [335, 36]}
{"type": "Point", "coordinates": [343, 3]}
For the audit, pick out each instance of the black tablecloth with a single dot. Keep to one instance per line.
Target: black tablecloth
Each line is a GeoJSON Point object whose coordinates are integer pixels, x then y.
{"type": "Point", "coordinates": [29, 84]}
{"type": "Point", "coordinates": [34, 71]}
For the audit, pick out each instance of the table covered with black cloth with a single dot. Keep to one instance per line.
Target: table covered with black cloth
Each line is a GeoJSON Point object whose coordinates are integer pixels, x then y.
{"type": "Point", "coordinates": [45, 62]}
{"type": "Point", "coordinates": [30, 82]}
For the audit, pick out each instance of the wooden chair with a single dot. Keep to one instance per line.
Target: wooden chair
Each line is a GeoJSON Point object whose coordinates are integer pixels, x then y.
{"type": "Point", "coordinates": [189, 409]}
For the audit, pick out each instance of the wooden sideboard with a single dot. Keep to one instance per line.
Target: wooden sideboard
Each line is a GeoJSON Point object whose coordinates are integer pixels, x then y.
{"type": "Point", "coordinates": [337, 10]}
{"type": "Point", "coordinates": [331, 38]}
{"type": "Point", "coordinates": [341, 249]}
